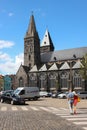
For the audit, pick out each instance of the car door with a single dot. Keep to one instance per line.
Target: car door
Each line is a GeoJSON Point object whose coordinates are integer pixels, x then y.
{"type": "Point", "coordinates": [8, 98]}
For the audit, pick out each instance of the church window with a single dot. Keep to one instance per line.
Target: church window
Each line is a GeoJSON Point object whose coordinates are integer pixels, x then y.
{"type": "Point", "coordinates": [29, 65]}
{"type": "Point", "coordinates": [44, 42]}
{"type": "Point", "coordinates": [21, 82]}
{"type": "Point", "coordinates": [29, 57]}
{"type": "Point", "coordinates": [64, 79]}
{"type": "Point", "coordinates": [77, 79]}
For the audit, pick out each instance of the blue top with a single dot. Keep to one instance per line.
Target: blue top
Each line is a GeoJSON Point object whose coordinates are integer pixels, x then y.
{"type": "Point", "coordinates": [70, 96]}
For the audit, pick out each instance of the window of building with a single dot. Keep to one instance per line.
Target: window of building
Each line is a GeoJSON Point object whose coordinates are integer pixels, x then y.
{"type": "Point", "coordinates": [29, 57]}
{"type": "Point", "coordinates": [21, 84]}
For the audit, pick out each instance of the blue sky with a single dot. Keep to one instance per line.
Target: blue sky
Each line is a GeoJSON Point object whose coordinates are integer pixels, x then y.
{"type": "Point", "coordinates": [66, 20]}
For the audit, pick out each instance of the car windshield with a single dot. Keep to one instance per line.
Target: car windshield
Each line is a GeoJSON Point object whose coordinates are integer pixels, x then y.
{"type": "Point", "coordinates": [16, 91]}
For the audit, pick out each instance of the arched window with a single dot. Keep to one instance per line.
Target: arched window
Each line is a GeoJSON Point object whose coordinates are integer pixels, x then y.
{"type": "Point", "coordinates": [33, 80]}
{"type": "Point", "coordinates": [52, 81]}
{"type": "Point", "coordinates": [43, 81]}
{"type": "Point", "coordinates": [64, 79]}
{"type": "Point", "coordinates": [21, 83]}
{"type": "Point", "coordinates": [77, 79]}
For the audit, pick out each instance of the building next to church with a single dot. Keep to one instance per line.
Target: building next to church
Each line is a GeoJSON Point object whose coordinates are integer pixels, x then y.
{"type": "Point", "coordinates": [48, 69]}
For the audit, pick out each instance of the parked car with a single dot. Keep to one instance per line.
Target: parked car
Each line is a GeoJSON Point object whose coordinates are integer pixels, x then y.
{"type": "Point", "coordinates": [11, 98]}
{"type": "Point", "coordinates": [82, 94]}
{"type": "Point", "coordinates": [63, 95]}
{"type": "Point", "coordinates": [55, 95]}
{"type": "Point", "coordinates": [49, 94]}
{"type": "Point", "coordinates": [2, 92]}
{"type": "Point", "coordinates": [43, 94]}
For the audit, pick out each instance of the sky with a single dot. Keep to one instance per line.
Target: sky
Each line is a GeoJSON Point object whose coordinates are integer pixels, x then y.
{"type": "Point", "coordinates": [66, 21]}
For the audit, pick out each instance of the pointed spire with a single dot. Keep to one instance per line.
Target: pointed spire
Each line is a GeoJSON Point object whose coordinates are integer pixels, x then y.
{"type": "Point", "coordinates": [32, 27]}
{"type": "Point", "coordinates": [47, 41]}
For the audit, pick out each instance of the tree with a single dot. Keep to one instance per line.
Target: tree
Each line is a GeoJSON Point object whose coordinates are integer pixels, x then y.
{"type": "Point", "coordinates": [83, 70]}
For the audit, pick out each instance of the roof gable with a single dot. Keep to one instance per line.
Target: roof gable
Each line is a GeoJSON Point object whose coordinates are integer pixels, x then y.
{"type": "Point", "coordinates": [43, 68]}
{"type": "Point", "coordinates": [53, 67]}
{"type": "Point", "coordinates": [64, 66]}
{"type": "Point", "coordinates": [23, 69]}
{"type": "Point", "coordinates": [77, 65]}
{"type": "Point", "coordinates": [34, 69]}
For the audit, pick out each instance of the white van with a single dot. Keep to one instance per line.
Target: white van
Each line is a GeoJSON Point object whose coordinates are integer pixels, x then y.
{"type": "Point", "coordinates": [28, 92]}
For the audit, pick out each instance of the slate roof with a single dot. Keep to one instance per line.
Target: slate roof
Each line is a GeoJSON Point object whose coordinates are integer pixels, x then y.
{"type": "Point", "coordinates": [26, 69]}
{"type": "Point", "coordinates": [61, 55]}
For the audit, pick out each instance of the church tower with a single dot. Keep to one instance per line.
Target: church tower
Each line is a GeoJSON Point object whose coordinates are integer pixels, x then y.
{"type": "Point", "coordinates": [31, 45]}
{"type": "Point", "coordinates": [47, 44]}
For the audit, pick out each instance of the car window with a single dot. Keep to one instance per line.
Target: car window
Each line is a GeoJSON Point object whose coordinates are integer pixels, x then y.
{"type": "Point", "coordinates": [83, 92]}
{"type": "Point", "coordinates": [22, 92]}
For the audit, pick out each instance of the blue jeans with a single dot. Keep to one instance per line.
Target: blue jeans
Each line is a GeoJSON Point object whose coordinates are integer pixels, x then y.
{"type": "Point", "coordinates": [70, 107]}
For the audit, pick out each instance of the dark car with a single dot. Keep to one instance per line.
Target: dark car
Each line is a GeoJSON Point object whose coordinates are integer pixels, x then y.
{"type": "Point", "coordinates": [12, 98]}
{"type": "Point", "coordinates": [6, 91]}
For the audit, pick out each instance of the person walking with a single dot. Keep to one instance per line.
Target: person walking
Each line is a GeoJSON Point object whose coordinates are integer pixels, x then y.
{"type": "Point", "coordinates": [75, 102]}
{"type": "Point", "coordinates": [70, 97]}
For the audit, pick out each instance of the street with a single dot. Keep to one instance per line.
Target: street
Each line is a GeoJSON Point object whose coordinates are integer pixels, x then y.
{"type": "Point", "coordinates": [44, 114]}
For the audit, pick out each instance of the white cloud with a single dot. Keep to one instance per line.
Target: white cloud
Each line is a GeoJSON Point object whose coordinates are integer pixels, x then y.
{"type": "Point", "coordinates": [4, 57]}
{"type": "Point", "coordinates": [6, 44]}
{"type": "Point", "coordinates": [11, 65]}
{"type": "Point", "coordinates": [10, 14]}
{"type": "Point", "coordinates": [19, 59]}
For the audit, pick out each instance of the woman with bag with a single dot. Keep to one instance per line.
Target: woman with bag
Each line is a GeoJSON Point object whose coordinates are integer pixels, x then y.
{"type": "Point", "coordinates": [76, 100]}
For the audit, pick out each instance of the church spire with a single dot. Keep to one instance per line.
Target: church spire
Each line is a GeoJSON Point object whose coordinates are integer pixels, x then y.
{"type": "Point", "coordinates": [31, 45]}
{"type": "Point", "coordinates": [32, 28]}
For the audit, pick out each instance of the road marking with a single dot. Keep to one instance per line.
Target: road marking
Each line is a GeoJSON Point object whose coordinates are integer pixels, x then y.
{"type": "Point", "coordinates": [45, 109]}
{"type": "Point", "coordinates": [78, 119]}
{"type": "Point", "coordinates": [63, 109]}
{"type": "Point", "coordinates": [3, 108]}
{"type": "Point", "coordinates": [34, 108]}
{"type": "Point", "coordinates": [24, 108]}
{"type": "Point", "coordinates": [73, 116]}
{"type": "Point", "coordinates": [14, 108]}
{"type": "Point", "coordinates": [52, 108]}
{"type": "Point", "coordinates": [62, 114]}
{"type": "Point", "coordinates": [74, 119]}
{"type": "Point", "coordinates": [80, 123]}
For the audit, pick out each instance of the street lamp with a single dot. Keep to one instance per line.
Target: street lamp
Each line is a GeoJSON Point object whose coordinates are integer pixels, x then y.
{"type": "Point", "coordinates": [71, 75]}
{"type": "Point", "coordinates": [70, 79]}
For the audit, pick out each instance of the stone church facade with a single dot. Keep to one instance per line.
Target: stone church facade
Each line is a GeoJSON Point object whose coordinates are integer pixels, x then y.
{"type": "Point", "coordinates": [48, 69]}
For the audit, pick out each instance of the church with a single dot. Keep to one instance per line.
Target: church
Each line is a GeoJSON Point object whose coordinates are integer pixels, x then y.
{"type": "Point", "coordinates": [46, 68]}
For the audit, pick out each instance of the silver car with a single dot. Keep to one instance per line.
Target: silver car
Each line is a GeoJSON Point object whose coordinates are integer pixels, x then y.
{"type": "Point", "coordinates": [83, 94]}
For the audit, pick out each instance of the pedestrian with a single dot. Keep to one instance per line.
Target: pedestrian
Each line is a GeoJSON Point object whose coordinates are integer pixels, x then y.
{"type": "Point", "coordinates": [75, 102]}
{"type": "Point", "coordinates": [70, 97]}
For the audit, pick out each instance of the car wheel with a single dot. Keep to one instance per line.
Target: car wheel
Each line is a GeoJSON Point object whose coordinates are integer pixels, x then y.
{"type": "Point", "coordinates": [64, 97]}
{"type": "Point", "coordinates": [12, 102]}
{"type": "Point", "coordinates": [2, 100]}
